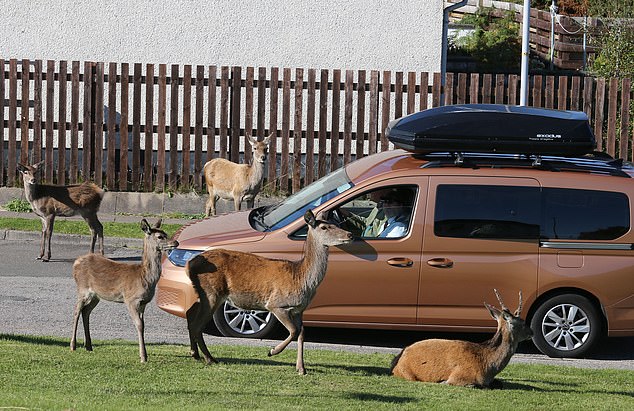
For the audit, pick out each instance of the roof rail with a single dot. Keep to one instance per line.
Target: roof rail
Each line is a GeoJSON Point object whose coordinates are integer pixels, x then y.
{"type": "Point", "coordinates": [600, 163]}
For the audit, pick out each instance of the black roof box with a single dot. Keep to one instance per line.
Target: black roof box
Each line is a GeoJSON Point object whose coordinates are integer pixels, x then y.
{"type": "Point", "coordinates": [494, 128]}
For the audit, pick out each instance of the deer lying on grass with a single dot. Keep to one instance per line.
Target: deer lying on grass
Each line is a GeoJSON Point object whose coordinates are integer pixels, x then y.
{"type": "Point", "coordinates": [99, 278]}
{"type": "Point", "coordinates": [49, 201]}
{"type": "Point", "coordinates": [240, 182]}
{"type": "Point", "coordinates": [285, 288]}
{"type": "Point", "coordinates": [465, 363]}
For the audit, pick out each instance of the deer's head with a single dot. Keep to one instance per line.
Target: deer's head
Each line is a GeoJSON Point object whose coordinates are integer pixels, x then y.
{"type": "Point", "coordinates": [511, 322]}
{"type": "Point", "coordinates": [327, 233]}
{"type": "Point", "coordinates": [157, 237]}
{"type": "Point", "coordinates": [260, 148]}
{"type": "Point", "coordinates": [30, 174]}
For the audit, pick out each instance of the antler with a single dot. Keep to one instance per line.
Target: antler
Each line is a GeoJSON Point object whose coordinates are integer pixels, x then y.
{"type": "Point", "coordinates": [519, 307]}
{"type": "Point", "coordinates": [500, 300]}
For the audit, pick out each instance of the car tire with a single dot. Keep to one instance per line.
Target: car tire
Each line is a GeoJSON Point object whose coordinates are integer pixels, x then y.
{"type": "Point", "coordinates": [232, 321]}
{"type": "Point", "coordinates": [566, 326]}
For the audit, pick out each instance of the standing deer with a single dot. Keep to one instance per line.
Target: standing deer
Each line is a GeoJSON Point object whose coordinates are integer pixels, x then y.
{"type": "Point", "coordinates": [240, 182]}
{"type": "Point", "coordinates": [49, 201]}
{"type": "Point", "coordinates": [99, 278]}
{"type": "Point", "coordinates": [285, 288]}
{"type": "Point", "coordinates": [465, 363]}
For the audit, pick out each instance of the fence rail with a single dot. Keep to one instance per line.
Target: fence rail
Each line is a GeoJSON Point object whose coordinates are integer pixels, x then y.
{"type": "Point", "coordinates": [144, 127]}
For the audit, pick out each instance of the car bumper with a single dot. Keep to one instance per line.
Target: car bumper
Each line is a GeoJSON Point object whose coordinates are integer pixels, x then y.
{"type": "Point", "coordinates": [175, 293]}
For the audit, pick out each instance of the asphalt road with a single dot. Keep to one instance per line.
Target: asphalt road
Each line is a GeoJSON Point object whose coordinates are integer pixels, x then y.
{"type": "Point", "coordinates": [38, 298]}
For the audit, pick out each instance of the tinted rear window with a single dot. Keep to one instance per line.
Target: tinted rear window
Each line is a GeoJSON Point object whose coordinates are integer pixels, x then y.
{"type": "Point", "coordinates": [483, 211]}
{"type": "Point", "coordinates": [509, 212]}
{"type": "Point", "coordinates": [584, 214]}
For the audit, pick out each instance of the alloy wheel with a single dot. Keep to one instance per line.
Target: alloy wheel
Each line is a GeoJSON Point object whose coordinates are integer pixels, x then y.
{"type": "Point", "coordinates": [566, 327]}
{"type": "Point", "coordinates": [245, 322]}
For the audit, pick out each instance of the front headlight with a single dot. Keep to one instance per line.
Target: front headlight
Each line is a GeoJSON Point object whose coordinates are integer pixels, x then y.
{"type": "Point", "coordinates": [179, 256]}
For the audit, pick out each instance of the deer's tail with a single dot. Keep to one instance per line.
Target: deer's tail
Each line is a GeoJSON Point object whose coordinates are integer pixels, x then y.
{"type": "Point", "coordinates": [194, 267]}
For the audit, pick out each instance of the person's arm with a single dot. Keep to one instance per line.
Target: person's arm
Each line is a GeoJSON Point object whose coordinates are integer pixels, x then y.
{"type": "Point", "coordinates": [397, 229]}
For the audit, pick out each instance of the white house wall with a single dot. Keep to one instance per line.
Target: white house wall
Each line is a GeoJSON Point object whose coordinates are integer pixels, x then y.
{"type": "Point", "coordinates": [354, 34]}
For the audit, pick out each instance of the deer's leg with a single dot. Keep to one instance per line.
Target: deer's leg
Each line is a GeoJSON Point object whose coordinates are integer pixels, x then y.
{"type": "Point", "coordinates": [299, 365]}
{"type": "Point", "coordinates": [136, 310]}
{"type": "Point", "coordinates": [196, 320]}
{"type": "Point", "coordinates": [285, 317]}
{"type": "Point", "coordinates": [81, 301]}
{"type": "Point", "coordinates": [250, 203]}
{"type": "Point", "coordinates": [237, 199]}
{"type": "Point", "coordinates": [96, 230]}
{"type": "Point", "coordinates": [47, 230]}
{"type": "Point", "coordinates": [43, 240]}
{"type": "Point", "coordinates": [49, 233]}
{"type": "Point", "coordinates": [89, 305]}
{"type": "Point", "coordinates": [191, 314]}
{"type": "Point", "coordinates": [210, 205]}
{"type": "Point", "coordinates": [463, 378]}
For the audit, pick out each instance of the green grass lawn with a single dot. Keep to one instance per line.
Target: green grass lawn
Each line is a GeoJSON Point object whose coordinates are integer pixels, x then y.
{"type": "Point", "coordinates": [110, 229]}
{"type": "Point", "coordinates": [42, 373]}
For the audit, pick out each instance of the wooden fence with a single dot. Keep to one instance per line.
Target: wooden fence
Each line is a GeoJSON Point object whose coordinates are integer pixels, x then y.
{"type": "Point", "coordinates": [145, 127]}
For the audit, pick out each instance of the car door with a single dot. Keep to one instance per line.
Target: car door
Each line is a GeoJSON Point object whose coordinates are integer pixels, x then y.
{"type": "Point", "coordinates": [481, 233]}
{"type": "Point", "coordinates": [374, 280]}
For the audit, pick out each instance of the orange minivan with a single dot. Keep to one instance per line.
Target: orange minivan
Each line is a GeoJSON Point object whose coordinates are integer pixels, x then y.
{"type": "Point", "coordinates": [557, 227]}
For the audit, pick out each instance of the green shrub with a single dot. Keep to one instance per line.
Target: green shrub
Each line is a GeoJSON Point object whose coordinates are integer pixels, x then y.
{"type": "Point", "coordinates": [616, 52]}
{"type": "Point", "coordinates": [19, 206]}
{"type": "Point", "coordinates": [495, 42]}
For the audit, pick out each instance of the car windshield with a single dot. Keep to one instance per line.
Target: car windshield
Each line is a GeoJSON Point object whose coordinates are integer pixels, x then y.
{"type": "Point", "coordinates": [274, 217]}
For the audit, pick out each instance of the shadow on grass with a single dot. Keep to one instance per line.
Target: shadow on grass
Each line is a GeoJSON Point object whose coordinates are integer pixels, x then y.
{"type": "Point", "coordinates": [564, 388]}
{"type": "Point", "coordinates": [31, 339]}
{"type": "Point", "coordinates": [314, 367]}
{"type": "Point", "coordinates": [390, 399]}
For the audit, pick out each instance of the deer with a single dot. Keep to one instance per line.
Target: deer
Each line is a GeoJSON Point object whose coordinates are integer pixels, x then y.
{"type": "Point", "coordinates": [240, 182]}
{"type": "Point", "coordinates": [99, 278]}
{"type": "Point", "coordinates": [49, 201]}
{"type": "Point", "coordinates": [465, 363]}
{"type": "Point", "coordinates": [283, 287]}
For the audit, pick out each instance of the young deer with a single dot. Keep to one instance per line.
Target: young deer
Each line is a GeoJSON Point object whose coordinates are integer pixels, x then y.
{"type": "Point", "coordinates": [228, 180]}
{"type": "Point", "coordinates": [285, 288]}
{"type": "Point", "coordinates": [49, 201]}
{"type": "Point", "coordinates": [465, 363]}
{"type": "Point", "coordinates": [99, 278]}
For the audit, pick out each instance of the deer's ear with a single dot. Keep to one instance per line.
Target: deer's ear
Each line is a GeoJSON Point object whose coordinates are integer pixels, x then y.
{"type": "Point", "coordinates": [21, 168]}
{"type": "Point", "coordinates": [251, 140]}
{"type": "Point", "coordinates": [158, 223]}
{"type": "Point", "coordinates": [495, 313]}
{"type": "Point", "coordinates": [145, 226]}
{"type": "Point", "coordinates": [310, 219]}
{"type": "Point", "coordinates": [38, 165]}
{"type": "Point", "coordinates": [267, 139]}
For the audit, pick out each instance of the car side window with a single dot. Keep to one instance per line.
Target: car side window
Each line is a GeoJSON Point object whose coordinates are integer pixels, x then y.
{"type": "Point", "coordinates": [379, 214]}
{"type": "Point", "coordinates": [573, 214]}
{"type": "Point", "coordinates": [487, 211]}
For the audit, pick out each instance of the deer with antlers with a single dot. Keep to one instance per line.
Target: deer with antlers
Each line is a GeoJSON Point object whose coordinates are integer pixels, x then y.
{"type": "Point", "coordinates": [99, 278]}
{"type": "Point", "coordinates": [49, 201]}
{"type": "Point", "coordinates": [465, 363]}
{"type": "Point", "coordinates": [238, 182]}
{"type": "Point", "coordinates": [285, 288]}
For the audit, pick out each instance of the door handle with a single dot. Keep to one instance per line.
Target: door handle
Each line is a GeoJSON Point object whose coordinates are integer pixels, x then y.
{"type": "Point", "coordinates": [400, 262]}
{"type": "Point", "coordinates": [440, 262]}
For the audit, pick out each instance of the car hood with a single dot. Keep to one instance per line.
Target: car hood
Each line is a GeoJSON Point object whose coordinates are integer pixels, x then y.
{"type": "Point", "coordinates": [217, 231]}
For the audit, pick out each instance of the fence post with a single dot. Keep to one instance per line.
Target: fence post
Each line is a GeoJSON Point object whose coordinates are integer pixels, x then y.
{"type": "Point", "coordinates": [234, 116]}
{"type": "Point", "coordinates": [92, 84]}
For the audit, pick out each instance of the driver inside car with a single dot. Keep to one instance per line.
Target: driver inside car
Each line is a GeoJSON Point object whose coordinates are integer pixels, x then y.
{"type": "Point", "coordinates": [366, 216]}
